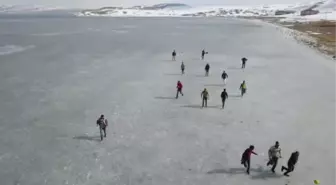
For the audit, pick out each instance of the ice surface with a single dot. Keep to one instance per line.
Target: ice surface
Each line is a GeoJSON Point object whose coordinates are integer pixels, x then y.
{"type": "Point", "coordinates": [10, 49]}
{"type": "Point", "coordinates": [51, 95]}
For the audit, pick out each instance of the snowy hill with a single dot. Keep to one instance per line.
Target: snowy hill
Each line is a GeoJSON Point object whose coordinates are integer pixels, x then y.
{"type": "Point", "coordinates": [177, 10]}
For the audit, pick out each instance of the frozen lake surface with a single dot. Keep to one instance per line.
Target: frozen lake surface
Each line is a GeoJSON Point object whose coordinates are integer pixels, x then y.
{"type": "Point", "coordinates": [58, 74]}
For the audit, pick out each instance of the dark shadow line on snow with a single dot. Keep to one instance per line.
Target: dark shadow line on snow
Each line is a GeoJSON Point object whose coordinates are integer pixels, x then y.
{"type": "Point", "coordinates": [88, 138]}
{"type": "Point", "coordinates": [266, 175]}
{"type": "Point", "coordinates": [200, 76]}
{"type": "Point", "coordinates": [233, 171]}
{"type": "Point", "coordinates": [165, 97]}
{"type": "Point", "coordinates": [200, 106]}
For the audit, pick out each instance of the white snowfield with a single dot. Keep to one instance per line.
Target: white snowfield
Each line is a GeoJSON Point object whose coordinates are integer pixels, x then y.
{"type": "Point", "coordinates": [52, 94]}
{"type": "Point", "coordinates": [326, 8]}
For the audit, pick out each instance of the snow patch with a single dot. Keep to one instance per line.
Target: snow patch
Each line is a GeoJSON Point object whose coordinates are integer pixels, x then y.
{"type": "Point", "coordinates": [11, 49]}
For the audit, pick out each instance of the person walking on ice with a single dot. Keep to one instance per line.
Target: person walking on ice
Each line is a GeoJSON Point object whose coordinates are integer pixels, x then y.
{"type": "Point", "coordinates": [203, 54]}
{"type": "Point", "coordinates": [224, 77]}
{"type": "Point", "coordinates": [182, 67]}
{"type": "Point", "coordinates": [246, 158]}
{"type": "Point", "coordinates": [102, 123]}
{"type": "Point", "coordinates": [179, 87]}
{"type": "Point", "coordinates": [274, 153]}
{"type": "Point", "coordinates": [174, 55]}
{"type": "Point", "coordinates": [243, 88]}
{"type": "Point", "coordinates": [207, 68]}
{"type": "Point", "coordinates": [291, 163]}
{"type": "Point", "coordinates": [205, 97]}
{"type": "Point", "coordinates": [244, 60]}
{"type": "Point", "coordinates": [224, 96]}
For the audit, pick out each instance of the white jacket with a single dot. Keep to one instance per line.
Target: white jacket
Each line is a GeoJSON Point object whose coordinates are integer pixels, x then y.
{"type": "Point", "coordinates": [274, 152]}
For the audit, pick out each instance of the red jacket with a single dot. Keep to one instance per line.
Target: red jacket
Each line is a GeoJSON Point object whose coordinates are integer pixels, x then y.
{"type": "Point", "coordinates": [179, 85]}
{"type": "Point", "coordinates": [247, 154]}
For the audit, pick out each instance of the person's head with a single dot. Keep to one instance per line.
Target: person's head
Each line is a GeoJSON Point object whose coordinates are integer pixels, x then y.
{"type": "Point", "coordinates": [251, 147]}
{"type": "Point", "coordinates": [224, 89]}
{"type": "Point", "coordinates": [102, 116]}
{"type": "Point", "coordinates": [277, 144]}
{"type": "Point", "coordinates": [178, 81]}
{"type": "Point", "coordinates": [296, 153]}
{"type": "Point", "coordinates": [243, 81]}
{"type": "Point", "coordinates": [205, 89]}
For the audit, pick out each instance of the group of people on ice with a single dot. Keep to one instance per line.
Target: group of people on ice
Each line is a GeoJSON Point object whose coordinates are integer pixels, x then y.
{"type": "Point", "coordinates": [274, 153]}
{"type": "Point", "coordinates": [205, 93]}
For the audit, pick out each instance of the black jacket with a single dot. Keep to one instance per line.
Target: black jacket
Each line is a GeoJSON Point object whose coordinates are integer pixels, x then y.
{"type": "Point", "coordinates": [224, 75]}
{"type": "Point", "coordinates": [293, 158]}
{"type": "Point", "coordinates": [207, 67]}
{"type": "Point", "coordinates": [224, 95]}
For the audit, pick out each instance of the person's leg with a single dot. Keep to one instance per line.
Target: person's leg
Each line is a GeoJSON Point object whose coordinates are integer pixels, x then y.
{"type": "Point", "coordinates": [248, 166]}
{"type": "Point", "coordinates": [223, 102]}
{"type": "Point", "coordinates": [203, 102]}
{"type": "Point", "coordinates": [177, 94]}
{"type": "Point", "coordinates": [206, 102]}
{"type": "Point", "coordinates": [104, 129]}
{"type": "Point", "coordinates": [289, 169]}
{"type": "Point", "coordinates": [101, 133]}
{"type": "Point", "coordinates": [275, 163]}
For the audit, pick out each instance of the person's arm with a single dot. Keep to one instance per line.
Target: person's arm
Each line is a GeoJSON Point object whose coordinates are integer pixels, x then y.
{"type": "Point", "coordinates": [254, 153]}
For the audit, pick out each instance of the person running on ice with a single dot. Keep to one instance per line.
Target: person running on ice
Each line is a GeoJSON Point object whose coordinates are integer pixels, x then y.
{"type": "Point", "coordinates": [205, 97]}
{"type": "Point", "coordinates": [246, 158]}
{"type": "Point", "coordinates": [173, 55]}
{"type": "Point", "coordinates": [182, 68]}
{"type": "Point", "coordinates": [179, 87]}
{"type": "Point", "coordinates": [224, 76]}
{"type": "Point", "coordinates": [102, 123]}
{"type": "Point", "coordinates": [243, 88]}
{"type": "Point", "coordinates": [207, 68]}
{"type": "Point", "coordinates": [224, 96]}
{"type": "Point", "coordinates": [291, 163]}
{"type": "Point", "coordinates": [244, 60]}
{"type": "Point", "coordinates": [203, 54]}
{"type": "Point", "coordinates": [274, 153]}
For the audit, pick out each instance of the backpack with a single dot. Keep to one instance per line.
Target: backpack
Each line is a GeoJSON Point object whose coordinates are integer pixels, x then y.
{"type": "Point", "coordinates": [101, 122]}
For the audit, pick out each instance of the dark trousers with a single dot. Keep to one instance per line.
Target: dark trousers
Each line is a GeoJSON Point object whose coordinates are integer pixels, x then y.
{"type": "Point", "coordinates": [102, 130]}
{"type": "Point", "coordinates": [173, 58]}
{"type": "Point", "coordinates": [289, 169]}
{"type": "Point", "coordinates": [243, 91]}
{"type": "Point", "coordinates": [223, 102]}
{"type": "Point", "coordinates": [243, 65]}
{"type": "Point", "coordinates": [179, 91]}
{"type": "Point", "coordinates": [206, 72]}
{"type": "Point", "coordinates": [273, 161]}
{"type": "Point", "coordinates": [247, 164]}
{"type": "Point", "coordinates": [182, 71]}
{"type": "Point", "coordinates": [205, 102]}
{"type": "Point", "coordinates": [202, 57]}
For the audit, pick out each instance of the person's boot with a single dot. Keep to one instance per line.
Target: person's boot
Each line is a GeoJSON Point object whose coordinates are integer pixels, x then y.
{"type": "Point", "coordinates": [286, 174]}
{"type": "Point", "coordinates": [282, 168]}
{"type": "Point", "coordinates": [273, 170]}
